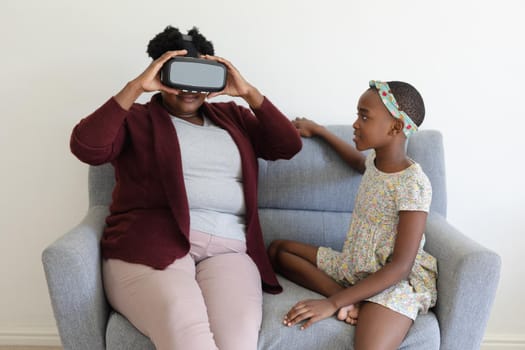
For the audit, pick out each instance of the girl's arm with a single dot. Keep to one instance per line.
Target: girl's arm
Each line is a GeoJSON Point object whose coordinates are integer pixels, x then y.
{"type": "Point", "coordinates": [350, 155]}
{"type": "Point", "coordinates": [410, 231]}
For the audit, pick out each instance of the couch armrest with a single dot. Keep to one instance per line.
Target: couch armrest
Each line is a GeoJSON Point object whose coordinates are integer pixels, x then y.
{"type": "Point", "coordinates": [73, 271]}
{"type": "Point", "coordinates": [467, 282]}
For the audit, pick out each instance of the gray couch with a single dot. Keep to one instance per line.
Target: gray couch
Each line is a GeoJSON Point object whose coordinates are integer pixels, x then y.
{"type": "Point", "coordinates": [309, 198]}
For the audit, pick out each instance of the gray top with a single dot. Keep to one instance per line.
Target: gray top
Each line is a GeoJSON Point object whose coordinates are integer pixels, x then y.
{"type": "Point", "coordinates": [213, 178]}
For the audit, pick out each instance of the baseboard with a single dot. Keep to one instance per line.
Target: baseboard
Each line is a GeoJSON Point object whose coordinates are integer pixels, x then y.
{"type": "Point", "coordinates": [49, 337]}
{"type": "Point", "coordinates": [503, 342]}
{"type": "Point", "coordinates": [42, 336]}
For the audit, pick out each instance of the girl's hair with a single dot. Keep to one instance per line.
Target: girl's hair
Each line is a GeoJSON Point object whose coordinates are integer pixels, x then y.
{"type": "Point", "coordinates": [409, 100]}
{"type": "Point", "coordinates": [171, 39]}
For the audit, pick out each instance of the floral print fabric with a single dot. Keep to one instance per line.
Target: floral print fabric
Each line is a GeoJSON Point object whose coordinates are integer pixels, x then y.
{"type": "Point", "coordinates": [370, 240]}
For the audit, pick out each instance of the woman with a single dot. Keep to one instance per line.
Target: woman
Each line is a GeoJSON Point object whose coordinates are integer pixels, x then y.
{"type": "Point", "coordinates": [183, 251]}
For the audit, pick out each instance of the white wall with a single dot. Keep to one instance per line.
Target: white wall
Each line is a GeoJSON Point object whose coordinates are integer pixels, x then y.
{"type": "Point", "coordinates": [60, 59]}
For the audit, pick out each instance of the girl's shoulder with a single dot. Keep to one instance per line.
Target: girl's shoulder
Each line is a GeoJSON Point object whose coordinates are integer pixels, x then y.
{"type": "Point", "coordinates": [414, 190]}
{"type": "Point", "coordinates": [370, 156]}
{"type": "Point", "coordinates": [415, 173]}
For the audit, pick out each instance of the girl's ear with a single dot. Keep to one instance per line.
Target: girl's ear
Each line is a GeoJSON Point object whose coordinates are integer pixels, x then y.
{"type": "Point", "coordinates": [397, 126]}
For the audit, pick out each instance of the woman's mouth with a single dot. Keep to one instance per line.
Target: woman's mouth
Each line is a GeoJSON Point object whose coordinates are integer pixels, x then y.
{"type": "Point", "coordinates": [188, 98]}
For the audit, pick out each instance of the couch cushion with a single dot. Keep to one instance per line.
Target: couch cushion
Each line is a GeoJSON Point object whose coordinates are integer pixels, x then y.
{"type": "Point", "coordinates": [320, 228]}
{"type": "Point", "coordinates": [327, 334]}
{"type": "Point", "coordinates": [314, 179]}
{"type": "Point", "coordinates": [330, 333]}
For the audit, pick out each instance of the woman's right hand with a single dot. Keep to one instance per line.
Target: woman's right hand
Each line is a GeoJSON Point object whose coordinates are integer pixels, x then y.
{"type": "Point", "coordinates": [148, 81]}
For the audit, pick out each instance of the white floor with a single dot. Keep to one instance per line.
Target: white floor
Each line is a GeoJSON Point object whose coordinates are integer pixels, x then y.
{"type": "Point", "coordinates": [13, 347]}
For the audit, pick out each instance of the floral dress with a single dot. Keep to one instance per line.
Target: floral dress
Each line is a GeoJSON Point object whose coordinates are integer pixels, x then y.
{"type": "Point", "coordinates": [370, 241]}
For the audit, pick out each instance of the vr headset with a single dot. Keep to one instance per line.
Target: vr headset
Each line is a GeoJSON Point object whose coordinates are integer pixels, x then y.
{"type": "Point", "coordinates": [190, 73]}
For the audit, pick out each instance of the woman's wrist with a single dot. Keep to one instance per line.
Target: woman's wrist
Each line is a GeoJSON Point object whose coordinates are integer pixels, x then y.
{"type": "Point", "coordinates": [253, 97]}
{"type": "Point", "coordinates": [129, 94]}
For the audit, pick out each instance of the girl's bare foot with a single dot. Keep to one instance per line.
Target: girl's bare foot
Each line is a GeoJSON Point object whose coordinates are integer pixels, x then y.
{"type": "Point", "coordinates": [349, 314]}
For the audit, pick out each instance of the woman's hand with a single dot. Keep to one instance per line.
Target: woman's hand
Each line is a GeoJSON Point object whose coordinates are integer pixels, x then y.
{"type": "Point", "coordinates": [236, 85]}
{"type": "Point", "coordinates": [311, 310]}
{"type": "Point", "coordinates": [148, 81]}
{"type": "Point", "coordinates": [307, 127]}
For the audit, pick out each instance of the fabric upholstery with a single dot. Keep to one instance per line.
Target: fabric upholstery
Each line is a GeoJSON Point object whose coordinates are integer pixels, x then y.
{"type": "Point", "coordinates": [308, 198]}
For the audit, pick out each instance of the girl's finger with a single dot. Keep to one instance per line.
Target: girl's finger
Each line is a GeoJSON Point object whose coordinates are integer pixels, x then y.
{"type": "Point", "coordinates": [301, 316]}
{"type": "Point", "coordinates": [308, 323]}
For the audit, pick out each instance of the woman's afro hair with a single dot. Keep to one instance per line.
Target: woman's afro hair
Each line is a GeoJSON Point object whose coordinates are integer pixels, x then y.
{"type": "Point", "coordinates": [409, 100]}
{"type": "Point", "coordinates": [171, 39]}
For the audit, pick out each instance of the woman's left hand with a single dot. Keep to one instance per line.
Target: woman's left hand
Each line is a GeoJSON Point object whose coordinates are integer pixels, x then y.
{"type": "Point", "coordinates": [236, 85]}
{"type": "Point", "coordinates": [311, 310]}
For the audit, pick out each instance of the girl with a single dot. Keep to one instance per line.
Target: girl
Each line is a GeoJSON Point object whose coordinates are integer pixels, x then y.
{"type": "Point", "coordinates": [382, 274]}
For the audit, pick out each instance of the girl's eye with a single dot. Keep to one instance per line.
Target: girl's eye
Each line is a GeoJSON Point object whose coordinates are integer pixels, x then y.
{"type": "Point", "coordinates": [362, 116]}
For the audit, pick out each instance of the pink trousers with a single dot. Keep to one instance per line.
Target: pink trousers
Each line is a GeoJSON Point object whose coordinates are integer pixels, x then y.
{"type": "Point", "coordinates": [210, 299]}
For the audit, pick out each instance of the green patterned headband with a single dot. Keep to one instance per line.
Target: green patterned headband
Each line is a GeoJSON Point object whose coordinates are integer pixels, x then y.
{"type": "Point", "coordinates": [391, 104]}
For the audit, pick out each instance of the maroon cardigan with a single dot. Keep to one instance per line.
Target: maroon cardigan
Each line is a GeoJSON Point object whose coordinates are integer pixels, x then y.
{"type": "Point", "coordinates": [149, 218]}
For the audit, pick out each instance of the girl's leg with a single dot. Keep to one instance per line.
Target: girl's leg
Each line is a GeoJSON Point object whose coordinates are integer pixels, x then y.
{"type": "Point", "coordinates": [380, 328]}
{"type": "Point", "coordinates": [231, 286]}
{"type": "Point", "coordinates": [154, 301]}
{"type": "Point", "coordinates": [298, 262]}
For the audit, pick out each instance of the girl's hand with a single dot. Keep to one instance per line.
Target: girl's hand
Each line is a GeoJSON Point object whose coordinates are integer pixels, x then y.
{"type": "Point", "coordinates": [306, 127]}
{"type": "Point", "coordinates": [236, 85]}
{"type": "Point", "coordinates": [311, 310]}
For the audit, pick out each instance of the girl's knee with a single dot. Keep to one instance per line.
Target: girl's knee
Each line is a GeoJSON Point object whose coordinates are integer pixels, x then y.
{"type": "Point", "coordinates": [274, 249]}
{"type": "Point", "coordinates": [380, 328]}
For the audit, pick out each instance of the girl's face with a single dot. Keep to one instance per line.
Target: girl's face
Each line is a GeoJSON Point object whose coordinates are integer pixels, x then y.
{"type": "Point", "coordinates": [183, 105]}
{"type": "Point", "coordinates": [373, 123]}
